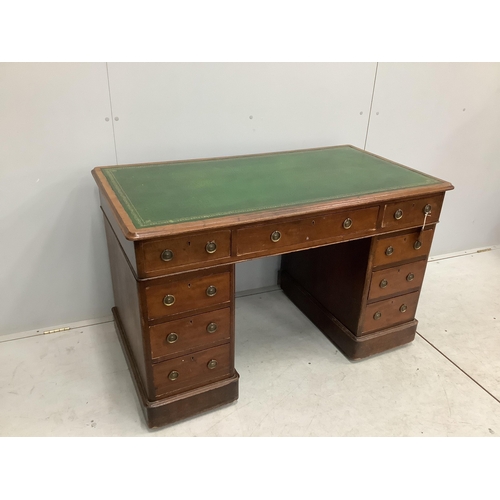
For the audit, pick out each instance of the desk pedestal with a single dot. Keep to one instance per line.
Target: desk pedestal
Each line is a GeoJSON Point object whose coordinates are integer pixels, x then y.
{"type": "Point", "coordinates": [361, 294]}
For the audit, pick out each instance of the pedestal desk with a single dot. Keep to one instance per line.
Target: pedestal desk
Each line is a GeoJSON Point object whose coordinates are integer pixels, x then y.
{"type": "Point", "coordinates": [354, 230]}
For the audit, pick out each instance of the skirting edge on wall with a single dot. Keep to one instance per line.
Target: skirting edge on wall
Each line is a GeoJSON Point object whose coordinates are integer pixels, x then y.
{"type": "Point", "coordinates": [463, 252]}
{"type": "Point", "coordinates": [55, 330]}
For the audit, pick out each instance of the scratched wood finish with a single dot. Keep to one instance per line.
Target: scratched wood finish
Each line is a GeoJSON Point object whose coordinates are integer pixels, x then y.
{"type": "Point", "coordinates": [193, 370]}
{"type": "Point", "coordinates": [188, 251]}
{"type": "Point", "coordinates": [413, 212]}
{"type": "Point", "coordinates": [304, 232]}
{"type": "Point", "coordinates": [397, 280]}
{"type": "Point", "coordinates": [402, 247]}
{"type": "Point", "coordinates": [192, 333]}
{"type": "Point", "coordinates": [190, 293]}
{"type": "Point", "coordinates": [390, 312]}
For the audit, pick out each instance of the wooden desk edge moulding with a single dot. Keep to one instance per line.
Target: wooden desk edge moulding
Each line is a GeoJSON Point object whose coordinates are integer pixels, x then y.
{"type": "Point", "coordinates": [354, 231]}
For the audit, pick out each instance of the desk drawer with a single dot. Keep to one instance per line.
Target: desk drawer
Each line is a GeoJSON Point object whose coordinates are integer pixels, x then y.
{"type": "Point", "coordinates": [410, 213]}
{"type": "Point", "coordinates": [390, 312]}
{"type": "Point", "coordinates": [278, 236]}
{"type": "Point", "coordinates": [166, 254]}
{"type": "Point", "coordinates": [193, 370]}
{"type": "Point", "coordinates": [402, 247]}
{"type": "Point", "coordinates": [187, 294]}
{"type": "Point", "coordinates": [200, 331]}
{"type": "Point", "coordinates": [397, 279]}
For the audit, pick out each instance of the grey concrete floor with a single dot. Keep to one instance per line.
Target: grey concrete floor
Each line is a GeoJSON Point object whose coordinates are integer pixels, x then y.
{"type": "Point", "coordinates": [294, 382]}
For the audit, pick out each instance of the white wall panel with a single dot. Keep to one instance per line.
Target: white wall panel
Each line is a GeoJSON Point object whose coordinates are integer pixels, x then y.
{"type": "Point", "coordinates": [169, 111]}
{"type": "Point", "coordinates": [444, 119]}
{"type": "Point", "coordinates": [53, 263]}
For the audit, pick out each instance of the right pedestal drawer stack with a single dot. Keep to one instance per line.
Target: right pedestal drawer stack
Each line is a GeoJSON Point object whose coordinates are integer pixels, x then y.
{"type": "Point", "coordinates": [396, 276]}
{"type": "Point", "coordinates": [362, 294]}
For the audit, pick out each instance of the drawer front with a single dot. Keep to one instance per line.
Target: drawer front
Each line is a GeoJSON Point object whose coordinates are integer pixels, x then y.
{"type": "Point", "coordinates": [187, 294]}
{"type": "Point", "coordinates": [390, 312]}
{"type": "Point", "coordinates": [192, 370]}
{"type": "Point", "coordinates": [402, 247]}
{"type": "Point", "coordinates": [398, 279]}
{"type": "Point", "coordinates": [164, 255]}
{"type": "Point", "coordinates": [174, 337]}
{"type": "Point", "coordinates": [410, 213]}
{"type": "Point", "coordinates": [279, 236]}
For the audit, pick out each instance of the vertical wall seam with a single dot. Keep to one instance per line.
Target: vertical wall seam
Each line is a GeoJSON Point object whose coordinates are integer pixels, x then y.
{"type": "Point", "coordinates": [371, 106]}
{"type": "Point", "coordinates": [112, 114]}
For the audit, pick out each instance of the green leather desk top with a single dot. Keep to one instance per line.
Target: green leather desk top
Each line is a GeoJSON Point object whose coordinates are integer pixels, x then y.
{"type": "Point", "coordinates": [170, 193]}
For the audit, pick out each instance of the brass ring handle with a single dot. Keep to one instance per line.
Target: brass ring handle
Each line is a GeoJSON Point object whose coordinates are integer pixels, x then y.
{"type": "Point", "coordinates": [172, 338]}
{"type": "Point", "coordinates": [383, 283]}
{"type": "Point", "coordinates": [398, 214]}
{"type": "Point", "coordinates": [211, 291]}
{"type": "Point", "coordinates": [347, 223]}
{"type": "Point", "coordinates": [167, 255]}
{"type": "Point", "coordinates": [211, 247]}
{"type": "Point", "coordinates": [427, 209]}
{"type": "Point", "coordinates": [212, 364]}
{"type": "Point", "coordinates": [403, 308]}
{"type": "Point", "coordinates": [173, 375]}
{"type": "Point", "coordinates": [275, 236]}
{"type": "Point", "coordinates": [169, 300]}
{"type": "Point", "coordinates": [212, 327]}
{"type": "Point", "coordinates": [417, 245]}
{"type": "Point", "coordinates": [410, 277]}
{"type": "Point", "coordinates": [377, 315]}
{"type": "Point", "coordinates": [389, 250]}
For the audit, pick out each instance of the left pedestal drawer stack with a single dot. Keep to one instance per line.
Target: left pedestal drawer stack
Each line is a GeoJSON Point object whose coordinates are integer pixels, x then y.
{"type": "Point", "coordinates": [177, 329]}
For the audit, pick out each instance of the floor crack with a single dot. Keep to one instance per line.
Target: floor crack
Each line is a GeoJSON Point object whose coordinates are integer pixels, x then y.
{"type": "Point", "coordinates": [463, 371]}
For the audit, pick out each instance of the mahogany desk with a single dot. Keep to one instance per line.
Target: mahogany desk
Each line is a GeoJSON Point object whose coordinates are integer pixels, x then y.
{"type": "Point", "coordinates": [363, 225]}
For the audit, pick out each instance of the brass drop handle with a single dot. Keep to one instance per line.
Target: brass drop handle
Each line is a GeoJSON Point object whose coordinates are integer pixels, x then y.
{"type": "Point", "coordinates": [169, 300]}
{"type": "Point", "coordinates": [347, 223]}
{"type": "Point", "coordinates": [410, 277]}
{"type": "Point", "coordinates": [403, 308]}
{"type": "Point", "coordinates": [212, 327]}
{"type": "Point", "coordinates": [167, 255]}
{"type": "Point", "coordinates": [383, 283]}
{"type": "Point", "coordinates": [173, 375]}
{"type": "Point", "coordinates": [417, 245]}
{"type": "Point", "coordinates": [172, 338]}
{"type": "Point", "coordinates": [275, 236]}
{"type": "Point", "coordinates": [212, 364]}
{"type": "Point", "coordinates": [377, 315]}
{"type": "Point", "coordinates": [398, 214]}
{"type": "Point", "coordinates": [389, 251]}
{"type": "Point", "coordinates": [211, 291]}
{"type": "Point", "coordinates": [211, 247]}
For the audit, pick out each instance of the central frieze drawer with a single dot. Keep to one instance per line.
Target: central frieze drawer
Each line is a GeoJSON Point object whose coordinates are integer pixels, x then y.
{"type": "Point", "coordinates": [194, 332]}
{"type": "Point", "coordinates": [278, 236]}
{"type": "Point", "coordinates": [188, 294]}
{"type": "Point", "coordinates": [193, 370]}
